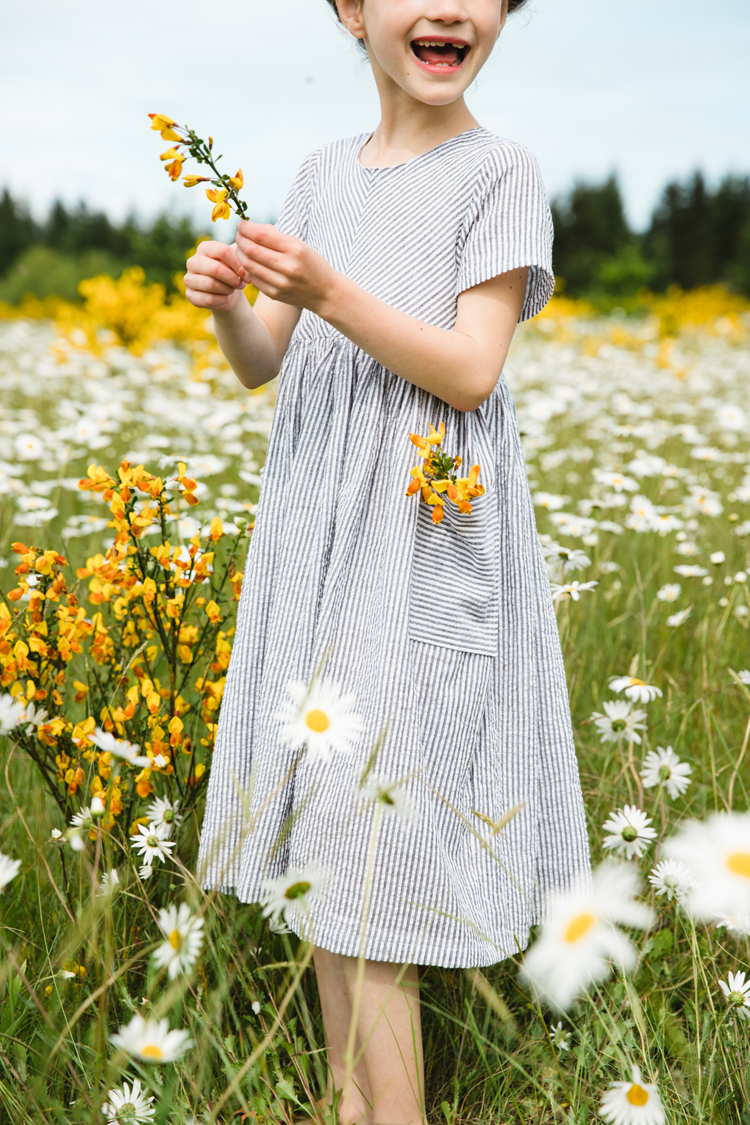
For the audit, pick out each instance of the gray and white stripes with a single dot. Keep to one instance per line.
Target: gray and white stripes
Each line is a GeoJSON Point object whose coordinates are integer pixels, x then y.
{"type": "Point", "coordinates": [446, 634]}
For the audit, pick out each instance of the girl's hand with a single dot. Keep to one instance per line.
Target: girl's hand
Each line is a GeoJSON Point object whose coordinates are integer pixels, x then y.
{"type": "Point", "coordinates": [283, 267]}
{"type": "Point", "coordinates": [213, 278]}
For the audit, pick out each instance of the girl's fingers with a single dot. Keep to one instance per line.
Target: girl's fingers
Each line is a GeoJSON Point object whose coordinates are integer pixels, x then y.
{"type": "Point", "coordinates": [264, 234]}
{"type": "Point", "coordinates": [203, 284]}
{"type": "Point", "coordinates": [205, 300]}
{"type": "Point", "coordinates": [267, 280]}
{"type": "Point", "coordinates": [252, 253]}
{"type": "Point", "coordinates": [210, 267]}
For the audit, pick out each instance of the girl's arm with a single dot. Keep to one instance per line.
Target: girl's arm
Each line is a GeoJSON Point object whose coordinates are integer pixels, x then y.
{"type": "Point", "coordinates": [253, 339]}
{"type": "Point", "coordinates": [461, 366]}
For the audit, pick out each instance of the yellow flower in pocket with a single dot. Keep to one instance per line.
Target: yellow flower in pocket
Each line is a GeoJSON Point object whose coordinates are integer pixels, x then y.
{"type": "Point", "coordinates": [438, 478]}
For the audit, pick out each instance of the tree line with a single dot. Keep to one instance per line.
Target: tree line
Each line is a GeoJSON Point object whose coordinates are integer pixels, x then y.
{"type": "Point", "coordinates": [696, 236]}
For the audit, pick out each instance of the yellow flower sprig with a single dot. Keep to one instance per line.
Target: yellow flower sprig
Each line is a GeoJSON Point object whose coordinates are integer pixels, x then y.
{"type": "Point", "coordinates": [438, 478]}
{"type": "Point", "coordinates": [225, 193]}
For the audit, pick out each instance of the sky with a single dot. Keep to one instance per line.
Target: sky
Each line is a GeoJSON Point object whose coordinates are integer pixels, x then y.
{"type": "Point", "coordinates": [648, 89]}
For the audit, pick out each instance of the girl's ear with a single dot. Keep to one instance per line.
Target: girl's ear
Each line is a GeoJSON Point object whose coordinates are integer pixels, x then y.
{"type": "Point", "coordinates": [351, 15]}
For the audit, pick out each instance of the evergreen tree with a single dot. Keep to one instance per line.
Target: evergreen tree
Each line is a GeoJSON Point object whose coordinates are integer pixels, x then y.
{"type": "Point", "coordinates": [590, 228]}
{"type": "Point", "coordinates": [17, 231]}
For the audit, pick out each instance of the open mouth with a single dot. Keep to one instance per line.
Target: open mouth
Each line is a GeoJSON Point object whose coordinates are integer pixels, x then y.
{"type": "Point", "coordinates": [440, 54]}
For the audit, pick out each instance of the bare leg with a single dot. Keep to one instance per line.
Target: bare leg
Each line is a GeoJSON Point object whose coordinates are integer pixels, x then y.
{"type": "Point", "coordinates": [337, 1014]}
{"type": "Point", "coordinates": [387, 1081]}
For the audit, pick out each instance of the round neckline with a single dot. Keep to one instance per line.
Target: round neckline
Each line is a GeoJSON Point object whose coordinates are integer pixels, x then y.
{"type": "Point", "coordinates": [406, 163]}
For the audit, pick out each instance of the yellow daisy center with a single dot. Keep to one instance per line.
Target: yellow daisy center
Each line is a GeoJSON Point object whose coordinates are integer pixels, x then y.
{"type": "Point", "coordinates": [636, 1095]}
{"type": "Point", "coordinates": [151, 1051]}
{"type": "Point", "coordinates": [317, 720]}
{"type": "Point", "coordinates": [739, 863]}
{"type": "Point", "coordinates": [175, 939]}
{"type": "Point", "coordinates": [635, 681]}
{"type": "Point", "coordinates": [580, 926]}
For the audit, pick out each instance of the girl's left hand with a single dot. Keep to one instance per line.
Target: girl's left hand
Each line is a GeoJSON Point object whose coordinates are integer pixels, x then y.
{"type": "Point", "coordinates": [283, 267]}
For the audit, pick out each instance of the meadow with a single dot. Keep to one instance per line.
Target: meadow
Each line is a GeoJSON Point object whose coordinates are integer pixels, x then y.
{"type": "Point", "coordinates": [130, 465]}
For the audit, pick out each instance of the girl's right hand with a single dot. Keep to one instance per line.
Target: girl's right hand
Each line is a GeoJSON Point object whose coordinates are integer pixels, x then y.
{"type": "Point", "coordinates": [213, 280]}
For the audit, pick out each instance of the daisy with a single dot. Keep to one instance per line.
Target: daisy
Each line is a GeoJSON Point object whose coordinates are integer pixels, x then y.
{"type": "Point", "coordinates": [631, 831]}
{"type": "Point", "coordinates": [687, 548]}
{"type": "Point", "coordinates": [664, 522]}
{"type": "Point", "coordinates": [33, 717]}
{"type": "Point", "coordinates": [129, 1103]}
{"type": "Point", "coordinates": [671, 879]}
{"type": "Point", "coordinates": [550, 500]}
{"type": "Point", "coordinates": [737, 994]}
{"type": "Point", "coordinates": [83, 819]}
{"type": "Point", "coordinates": [119, 748]}
{"type": "Point", "coordinates": [559, 1037]}
{"type": "Point", "coordinates": [320, 717]}
{"type": "Point", "coordinates": [391, 796]}
{"type": "Point", "coordinates": [703, 500]}
{"type": "Point", "coordinates": [618, 481]}
{"type": "Point", "coordinates": [620, 718]}
{"type": "Point", "coordinates": [690, 570]}
{"type": "Point", "coordinates": [571, 589]}
{"type": "Point", "coordinates": [9, 868]}
{"type": "Point", "coordinates": [635, 689]}
{"type": "Point", "coordinates": [164, 812]}
{"type": "Point", "coordinates": [109, 884]}
{"type": "Point", "coordinates": [679, 618]}
{"type": "Point", "coordinates": [670, 592]}
{"type": "Point", "coordinates": [717, 558]}
{"type": "Point", "coordinates": [297, 887]}
{"type": "Point", "coordinates": [579, 935]}
{"type": "Point", "coordinates": [736, 923]}
{"type": "Point", "coordinates": [663, 767]}
{"type": "Point", "coordinates": [744, 677]}
{"type": "Point", "coordinates": [183, 932]}
{"type": "Point", "coordinates": [573, 559]}
{"type": "Point", "coordinates": [11, 713]}
{"type": "Point", "coordinates": [717, 852]}
{"type": "Point", "coordinates": [152, 1041]}
{"type": "Point", "coordinates": [152, 843]}
{"type": "Point", "coordinates": [633, 1103]}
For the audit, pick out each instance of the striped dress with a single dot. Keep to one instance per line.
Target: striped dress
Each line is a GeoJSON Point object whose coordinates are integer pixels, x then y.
{"type": "Point", "coordinates": [445, 634]}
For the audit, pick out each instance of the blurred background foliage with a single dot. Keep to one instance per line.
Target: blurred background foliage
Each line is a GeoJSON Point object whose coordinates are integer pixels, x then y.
{"type": "Point", "coordinates": [696, 237]}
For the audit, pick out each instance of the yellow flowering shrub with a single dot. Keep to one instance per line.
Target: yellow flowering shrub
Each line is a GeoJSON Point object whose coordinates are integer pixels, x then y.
{"type": "Point", "coordinates": [136, 646]}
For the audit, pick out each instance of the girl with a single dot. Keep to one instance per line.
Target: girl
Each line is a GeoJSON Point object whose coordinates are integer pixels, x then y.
{"type": "Point", "coordinates": [369, 801]}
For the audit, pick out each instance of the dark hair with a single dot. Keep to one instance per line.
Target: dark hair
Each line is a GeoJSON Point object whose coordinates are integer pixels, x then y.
{"type": "Point", "coordinates": [513, 5]}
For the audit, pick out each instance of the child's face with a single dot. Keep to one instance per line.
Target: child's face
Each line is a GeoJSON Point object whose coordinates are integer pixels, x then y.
{"type": "Point", "coordinates": [433, 49]}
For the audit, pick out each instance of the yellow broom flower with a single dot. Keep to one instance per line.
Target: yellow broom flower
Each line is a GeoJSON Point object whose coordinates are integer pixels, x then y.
{"type": "Point", "coordinates": [222, 209]}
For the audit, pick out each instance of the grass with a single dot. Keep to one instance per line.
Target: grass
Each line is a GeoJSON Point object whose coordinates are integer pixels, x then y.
{"type": "Point", "coordinates": [593, 395]}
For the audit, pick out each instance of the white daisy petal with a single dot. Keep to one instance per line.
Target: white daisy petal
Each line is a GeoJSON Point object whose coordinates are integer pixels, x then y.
{"type": "Point", "coordinates": [633, 1103]}
{"type": "Point", "coordinates": [320, 717]}
{"type": "Point", "coordinates": [717, 853]}
{"type": "Point", "coordinates": [152, 1041]}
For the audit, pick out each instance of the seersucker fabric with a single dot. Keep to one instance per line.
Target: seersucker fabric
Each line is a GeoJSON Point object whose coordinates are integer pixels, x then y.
{"type": "Point", "coordinates": [446, 634]}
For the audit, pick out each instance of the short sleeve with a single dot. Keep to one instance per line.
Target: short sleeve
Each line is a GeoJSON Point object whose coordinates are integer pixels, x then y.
{"type": "Point", "coordinates": [510, 226]}
{"type": "Point", "coordinates": [295, 211]}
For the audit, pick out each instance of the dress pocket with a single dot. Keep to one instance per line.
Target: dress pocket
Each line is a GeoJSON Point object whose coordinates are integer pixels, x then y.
{"type": "Point", "coordinates": [453, 591]}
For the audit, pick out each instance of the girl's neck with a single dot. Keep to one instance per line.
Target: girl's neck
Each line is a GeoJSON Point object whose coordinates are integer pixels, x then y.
{"type": "Point", "coordinates": [409, 128]}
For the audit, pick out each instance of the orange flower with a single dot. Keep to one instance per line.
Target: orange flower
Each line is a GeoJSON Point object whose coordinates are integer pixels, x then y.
{"type": "Point", "coordinates": [236, 182]}
{"type": "Point", "coordinates": [222, 210]}
{"type": "Point", "coordinates": [162, 124]}
{"type": "Point", "coordinates": [175, 168]}
{"type": "Point", "coordinates": [191, 180]}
